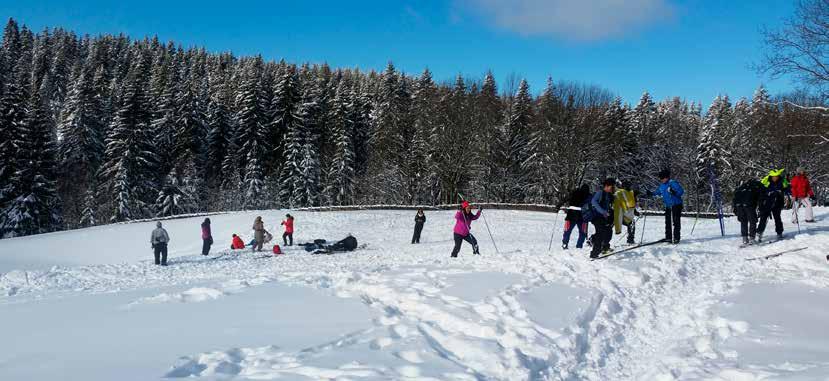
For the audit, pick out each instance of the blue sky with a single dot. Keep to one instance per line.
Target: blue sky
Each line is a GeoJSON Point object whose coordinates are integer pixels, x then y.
{"type": "Point", "coordinates": [695, 49]}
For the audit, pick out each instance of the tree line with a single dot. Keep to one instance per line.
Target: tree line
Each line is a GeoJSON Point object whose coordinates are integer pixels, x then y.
{"type": "Point", "coordinates": [106, 129]}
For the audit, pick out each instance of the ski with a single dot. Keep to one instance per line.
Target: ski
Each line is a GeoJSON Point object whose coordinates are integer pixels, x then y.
{"type": "Point", "coordinates": [603, 256]}
{"type": "Point", "coordinates": [777, 254]}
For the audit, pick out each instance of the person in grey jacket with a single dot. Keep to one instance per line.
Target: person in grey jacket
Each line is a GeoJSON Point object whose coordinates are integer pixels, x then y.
{"type": "Point", "coordinates": [159, 240]}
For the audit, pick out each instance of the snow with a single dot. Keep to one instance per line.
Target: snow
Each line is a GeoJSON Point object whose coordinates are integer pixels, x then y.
{"type": "Point", "coordinates": [88, 304]}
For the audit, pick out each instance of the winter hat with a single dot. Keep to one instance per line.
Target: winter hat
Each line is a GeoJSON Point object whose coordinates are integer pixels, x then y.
{"type": "Point", "coordinates": [158, 224]}
{"type": "Point", "coordinates": [464, 204]}
{"type": "Point", "coordinates": [800, 170]}
{"type": "Point", "coordinates": [610, 182]}
{"type": "Point", "coordinates": [664, 174]}
{"type": "Point", "coordinates": [776, 172]}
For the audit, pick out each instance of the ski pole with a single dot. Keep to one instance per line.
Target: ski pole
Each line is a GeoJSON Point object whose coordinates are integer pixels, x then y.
{"type": "Point", "coordinates": [796, 216]}
{"type": "Point", "coordinates": [555, 226]}
{"type": "Point", "coordinates": [490, 234]}
{"type": "Point", "coordinates": [644, 222]}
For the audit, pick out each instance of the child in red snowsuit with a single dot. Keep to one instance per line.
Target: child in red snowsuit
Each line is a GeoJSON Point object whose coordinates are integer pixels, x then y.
{"type": "Point", "coordinates": [237, 243]}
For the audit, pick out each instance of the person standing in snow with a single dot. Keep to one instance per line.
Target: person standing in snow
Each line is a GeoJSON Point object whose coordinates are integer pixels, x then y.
{"type": "Point", "coordinates": [258, 234]}
{"type": "Point", "coordinates": [624, 211]}
{"type": "Point", "coordinates": [463, 222]}
{"type": "Point", "coordinates": [573, 217]}
{"type": "Point", "coordinates": [802, 194]}
{"type": "Point", "coordinates": [747, 197]}
{"type": "Point", "coordinates": [206, 236]}
{"type": "Point", "coordinates": [775, 191]}
{"type": "Point", "coordinates": [158, 240]}
{"type": "Point", "coordinates": [289, 230]}
{"type": "Point", "coordinates": [671, 193]}
{"type": "Point", "coordinates": [420, 220]}
{"type": "Point", "coordinates": [602, 206]}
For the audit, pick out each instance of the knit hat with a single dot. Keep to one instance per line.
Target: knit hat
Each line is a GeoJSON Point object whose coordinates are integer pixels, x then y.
{"type": "Point", "coordinates": [664, 174]}
{"type": "Point", "coordinates": [464, 204]}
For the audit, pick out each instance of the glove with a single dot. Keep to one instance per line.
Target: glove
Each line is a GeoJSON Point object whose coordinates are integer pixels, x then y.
{"type": "Point", "coordinates": [636, 212]}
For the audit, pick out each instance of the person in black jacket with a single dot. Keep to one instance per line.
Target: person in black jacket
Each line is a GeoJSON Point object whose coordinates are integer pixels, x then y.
{"type": "Point", "coordinates": [747, 198]}
{"type": "Point", "coordinates": [420, 219]}
{"type": "Point", "coordinates": [573, 218]}
{"type": "Point", "coordinates": [602, 206]}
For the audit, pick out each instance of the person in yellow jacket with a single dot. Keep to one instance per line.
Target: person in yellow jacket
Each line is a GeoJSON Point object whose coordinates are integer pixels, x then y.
{"type": "Point", "coordinates": [624, 210]}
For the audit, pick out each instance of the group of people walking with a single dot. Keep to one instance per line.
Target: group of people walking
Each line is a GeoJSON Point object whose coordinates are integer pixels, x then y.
{"type": "Point", "coordinates": [761, 200]}
{"type": "Point", "coordinates": [612, 208]}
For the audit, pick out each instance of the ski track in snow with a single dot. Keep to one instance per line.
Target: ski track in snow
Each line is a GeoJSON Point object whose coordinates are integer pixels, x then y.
{"type": "Point", "coordinates": [651, 315]}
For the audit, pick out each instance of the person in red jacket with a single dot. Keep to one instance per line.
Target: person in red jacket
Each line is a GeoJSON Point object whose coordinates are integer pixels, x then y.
{"type": "Point", "coordinates": [289, 230]}
{"type": "Point", "coordinates": [801, 193]}
{"type": "Point", "coordinates": [237, 243]}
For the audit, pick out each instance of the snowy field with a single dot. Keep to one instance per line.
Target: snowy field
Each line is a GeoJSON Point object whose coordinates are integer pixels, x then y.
{"type": "Point", "coordinates": [89, 305]}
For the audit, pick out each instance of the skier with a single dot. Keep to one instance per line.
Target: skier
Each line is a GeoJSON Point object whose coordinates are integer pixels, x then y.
{"type": "Point", "coordinates": [624, 210]}
{"type": "Point", "coordinates": [289, 230]}
{"type": "Point", "coordinates": [747, 197]}
{"type": "Point", "coordinates": [801, 193]}
{"type": "Point", "coordinates": [237, 243]}
{"type": "Point", "coordinates": [775, 192]}
{"type": "Point", "coordinates": [258, 234]}
{"type": "Point", "coordinates": [671, 193]}
{"type": "Point", "coordinates": [602, 209]}
{"type": "Point", "coordinates": [206, 236]}
{"type": "Point", "coordinates": [573, 218]}
{"type": "Point", "coordinates": [463, 221]}
{"type": "Point", "coordinates": [420, 219]}
{"type": "Point", "coordinates": [159, 239]}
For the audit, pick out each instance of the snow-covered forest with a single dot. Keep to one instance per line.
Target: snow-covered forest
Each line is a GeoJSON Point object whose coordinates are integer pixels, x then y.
{"type": "Point", "coordinates": [98, 129]}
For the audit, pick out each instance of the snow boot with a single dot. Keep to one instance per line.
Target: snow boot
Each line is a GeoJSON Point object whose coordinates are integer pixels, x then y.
{"type": "Point", "coordinates": [745, 240]}
{"type": "Point", "coordinates": [564, 246]}
{"type": "Point", "coordinates": [759, 237]}
{"type": "Point", "coordinates": [779, 236]}
{"type": "Point", "coordinates": [810, 221]}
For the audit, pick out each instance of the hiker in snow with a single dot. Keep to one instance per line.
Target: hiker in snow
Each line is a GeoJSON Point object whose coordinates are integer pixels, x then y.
{"type": "Point", "coordinates": [463, 221]}
{"type": "Point", "coordinates": [671, 193]}
{"type": "Point", "coordinates": [237, 243]}
{"type": "Point", "coordinates": [289, 230]}
{"type": "Point", "coordinates": [747, 197]}
{"type": "Point", "coordinates": [206, 236]}
{"type": "Point", "coordinates": [258, 234]}
{"type": "Point", "coordinates": [159, 239]}
{"type": "Point", "coordinates": [802, 194]}
{"type": "Point", "coordinates": [602, 206]}
{"type": "Point", "coordinates": [573, 217]}
{"type": "Point", "coordinates": [624, 210]}
{"type": "Point", "coordinates": [775, 192]}
{"type": "Point", "coordinates": [420, 219]}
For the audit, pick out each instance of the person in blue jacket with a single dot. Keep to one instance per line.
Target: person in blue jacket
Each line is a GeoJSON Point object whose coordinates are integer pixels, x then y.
{"type": "Point", "coordinates": [671, 193]}
{"type": "Point", "coordinates": [602, 205]}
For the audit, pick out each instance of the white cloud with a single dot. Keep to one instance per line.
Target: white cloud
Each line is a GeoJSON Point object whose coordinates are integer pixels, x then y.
{"type": "Point", "coordinates": [571, 19]}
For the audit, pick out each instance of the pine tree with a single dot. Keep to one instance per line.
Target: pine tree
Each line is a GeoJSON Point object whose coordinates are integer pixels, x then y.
{"type": "Point", "coordinates": [711, 152]}
{"type": "Point", "coordinates": [340, 190]}
{"type": "Point", "coordinates": [173, 198]}
{"type": "Point", "coordinates": [519, 148]}
{"type": "Point", "coordinates": [88, 214]}
{"type": "Point", "coordinates": [254, 179]}
{"type": "Point", "coordinates": [35, 206]}
{"type": "Point", "coordinates": [424, 117]}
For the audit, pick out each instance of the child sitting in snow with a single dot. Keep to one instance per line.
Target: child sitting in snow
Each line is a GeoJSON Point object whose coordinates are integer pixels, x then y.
{"type": "Point", "coordinates": [237, 243]}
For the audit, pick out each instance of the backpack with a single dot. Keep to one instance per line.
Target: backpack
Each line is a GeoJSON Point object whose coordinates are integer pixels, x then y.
{"type": "Point", "coordinates": [277, 250]}
{"type": "Point", "coordinates": [587, 212]}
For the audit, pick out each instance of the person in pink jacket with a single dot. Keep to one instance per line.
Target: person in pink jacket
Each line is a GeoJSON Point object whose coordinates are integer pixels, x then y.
{"type": "Point", "coordinates": [463, 221]}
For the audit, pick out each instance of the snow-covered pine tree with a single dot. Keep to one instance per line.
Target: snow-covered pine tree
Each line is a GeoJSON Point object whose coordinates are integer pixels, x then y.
{"type": "Point", "coordinates": [250, 115]}
{"type": "Point", "coordinates": [34, 206]}
{"type": "Point", "coordinates": [340, 190]}
{"type": "Point", "coordinates": [424, 117]}
{"type": "Point", "coordinates": [173, 198]}
{"type": "Point", "coordinates": [128, 173]}
{"type": "Point", "coordinates": [286, 100]}
{"type": "Point", "coordinates": [254, 184]}
{"type": "Point", "coordinates": [89, 210]}
{"type": "Point", "coordinates": [711, 150]}
{"type": "Point", "coordinates": [520, 150]}
{"type": "Point", "coordinates": [489, 112]}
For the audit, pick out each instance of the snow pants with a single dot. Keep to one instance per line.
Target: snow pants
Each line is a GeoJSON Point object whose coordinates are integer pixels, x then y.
{"type": "Point", "coordinates": [288, 237]}
{"type": "Point", "coordinates": [604, 232]}
{"type": "Point", "coordinates": [160, 252]}
{"type": "Point", "coordinates": [673, 224]}
{"type": "Point", "coordinates": [747, 215]}
{"type": "Point", "coordinates": [468, 238]}
{"type": "Point", "coordinates": [764, 218]}
{"type": "Point", "coordinates": [568, 228]}
{"type": "Point", "coordinates": [416, 236]}
{"type": "Point", "coordinates": [810, 214]}
{"type": "Point", "coordinates": [205, 246]}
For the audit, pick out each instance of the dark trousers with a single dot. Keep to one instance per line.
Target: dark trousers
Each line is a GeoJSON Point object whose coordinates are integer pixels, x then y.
{"type": "Point", "coordinates": [469, 238]}
{"type": "Point", "coordinates": [416, 235]}
{"type": "Point", "coordinates": [601, 239]}
{"type": "Point", "coordinates": [568, 228]}
{"type": "Point", "coordinates": [288, 237]}
{"type": "Point", "coordinates": [747, 215]}
{"type": "Point", "coordinates": [778, 222]}
{"type": "Point", "coordinates": [631, 227]}
{"type": "Point", "coordinates": [673, 217]}
{"type": "Point", "coordinates": [205, 246]}
{"type": "Point", "coordinates": [160, 250]}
